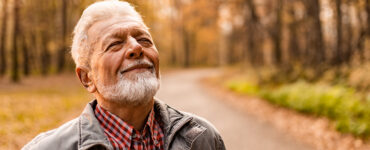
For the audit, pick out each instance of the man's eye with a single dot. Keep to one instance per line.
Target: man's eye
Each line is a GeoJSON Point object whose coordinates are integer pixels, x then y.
{"type": "Point", "coordinates": [145, 42]}
{"type": "Point", "coordinates": [113, 44]}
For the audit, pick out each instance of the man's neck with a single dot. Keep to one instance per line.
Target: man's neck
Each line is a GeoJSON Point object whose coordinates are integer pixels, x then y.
{"type": "Point", "coordinates": [135, 115]}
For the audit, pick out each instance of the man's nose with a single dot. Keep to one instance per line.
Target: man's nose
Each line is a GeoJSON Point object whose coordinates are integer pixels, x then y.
{"type": "Point", "coordinates": [134, 51]}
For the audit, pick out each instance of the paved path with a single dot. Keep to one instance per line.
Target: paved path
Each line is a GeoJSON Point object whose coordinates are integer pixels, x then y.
{"type": "Point", "coordinates": [240, 131]}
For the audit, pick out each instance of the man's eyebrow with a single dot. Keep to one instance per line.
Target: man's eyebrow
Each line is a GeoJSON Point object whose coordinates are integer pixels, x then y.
{"type": "Point", "coordinates": [137, 32]}
{"type": "Point", "coordinates": [120, 33]}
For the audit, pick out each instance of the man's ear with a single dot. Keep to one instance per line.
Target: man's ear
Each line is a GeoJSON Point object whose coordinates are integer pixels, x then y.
{"type": "Point", "coordinates": [87, 82]}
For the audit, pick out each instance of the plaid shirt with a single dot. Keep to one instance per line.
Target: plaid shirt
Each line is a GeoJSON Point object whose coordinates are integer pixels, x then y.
{"type": "Point", "coordinates": [123, 136]}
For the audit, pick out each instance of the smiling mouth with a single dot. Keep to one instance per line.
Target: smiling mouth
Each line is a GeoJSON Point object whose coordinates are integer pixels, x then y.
{"type": "Point", "coordinates": [138, 67]}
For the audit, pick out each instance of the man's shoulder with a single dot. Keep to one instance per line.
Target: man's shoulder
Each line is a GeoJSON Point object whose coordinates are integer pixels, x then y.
{"type": "Point", "coordinates": [196, 130]}
{"type": "Point", "coordinates": [176, 116]}
{"type": "Point", "coordinates": [202, 122]}
{"type": "Point", "coordinates": [63, 137]}
{"type": "Point", "coordinates": [209, 138]}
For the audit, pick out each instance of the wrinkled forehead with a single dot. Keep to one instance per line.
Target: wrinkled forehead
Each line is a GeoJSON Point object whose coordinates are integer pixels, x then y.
{"type": "Point", "coordinates": [117, 25]}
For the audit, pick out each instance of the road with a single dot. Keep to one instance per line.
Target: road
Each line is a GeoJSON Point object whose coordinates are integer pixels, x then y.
{"type": "Point", "coordinates": [240, 131]}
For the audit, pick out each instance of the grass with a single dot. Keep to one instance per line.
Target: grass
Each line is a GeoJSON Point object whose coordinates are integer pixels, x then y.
{"type": "Point", "coordinates": [349, 110]}
{"type": "Point", "coordinates": [37, 105]}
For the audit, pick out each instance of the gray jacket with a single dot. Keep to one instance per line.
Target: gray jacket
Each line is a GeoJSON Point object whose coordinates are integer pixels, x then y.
{"type": "Point", "coordinates": [182, 131]}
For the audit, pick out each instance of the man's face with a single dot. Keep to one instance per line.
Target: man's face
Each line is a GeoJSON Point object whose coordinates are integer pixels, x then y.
{"type": "Point", "coordinates": [124, 59]}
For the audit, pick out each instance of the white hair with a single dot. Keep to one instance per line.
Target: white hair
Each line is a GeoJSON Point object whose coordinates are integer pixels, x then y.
{"type": "Point", "coordinates": [98, 11]}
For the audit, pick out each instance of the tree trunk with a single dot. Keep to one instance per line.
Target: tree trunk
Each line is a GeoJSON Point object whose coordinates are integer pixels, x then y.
{"type": "Point", "coordinates": [349, 48]}
{"type": "Point", "coordinates": [294, 53]}
{"type": "Point", "coordinates": [365, 32]}
{"type": "Point", "coordinates": [317, 35]}
{"type": "Point", "coordinates": [3, 62]}
{"type": "Point", "coordinates": [45, 54]}
{"type": "Point", "coordinates": [15, 74]}
{"type": "Point", "coordinates": [33, 52]}
{"type": "Point", "coordinates": [368, 17]}
{"type": "Point", "coordinates": [339, 49]}
{"type": "Point", "coordinates": [277, 35]}
{"type": "Point", "coordinates": [172, 42]}
{"type": "Point", "coordinates": [232, 39]}
{"type": "Point", "coordinates": [251, 53]}
{"type": "Point", "coordinates": [186, 38]}
{"type": "Point", "coordinates": [26, 61]}
{"type": "Point", "coordinates": [63, 48]}
{"type": "Point", "coordinates": [315, 45]}
{"type": "Point", "coordinates": [367, 29]}
{"type": "Point", "coordinates": [175, 30]}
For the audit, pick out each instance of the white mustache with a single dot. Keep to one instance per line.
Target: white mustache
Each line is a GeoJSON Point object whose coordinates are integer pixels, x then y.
{"type": "Point", "coordinates": [137, 63]}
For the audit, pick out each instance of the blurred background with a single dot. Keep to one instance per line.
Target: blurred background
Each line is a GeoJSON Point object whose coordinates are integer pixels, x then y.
{"type": "Point", "coordinates": [312, 56]}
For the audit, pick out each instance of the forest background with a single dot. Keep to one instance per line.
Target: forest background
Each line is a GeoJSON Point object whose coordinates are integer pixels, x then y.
{"type": "Point", "coordinates": [309, 55]}
{"type": "Point", "coordinates": [295, 39]}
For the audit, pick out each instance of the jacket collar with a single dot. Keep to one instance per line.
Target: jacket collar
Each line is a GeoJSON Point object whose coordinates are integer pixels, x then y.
{"type": "Point", "coordinates": [91, 134]}
{"type": "Point", "coordinates": [172, 120]}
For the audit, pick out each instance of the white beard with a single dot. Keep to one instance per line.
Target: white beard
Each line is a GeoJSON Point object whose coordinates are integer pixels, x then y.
{"type": "Point", "coordinates": [136, 91]}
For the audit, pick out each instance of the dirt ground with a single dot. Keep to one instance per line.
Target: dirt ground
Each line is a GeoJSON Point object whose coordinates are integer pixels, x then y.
{"type": "Point", "coordinates": [37, 104]}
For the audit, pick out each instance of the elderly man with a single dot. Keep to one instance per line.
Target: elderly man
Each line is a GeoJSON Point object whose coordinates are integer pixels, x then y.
{"type": "Point", "coordinates": [117, 61]}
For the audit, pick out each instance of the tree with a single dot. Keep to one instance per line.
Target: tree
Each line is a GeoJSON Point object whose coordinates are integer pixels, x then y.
{"type": "Point", "coordinates": [339, 47]}
{"type": "Point", "coordinates": [252, 22]}
{"type": "Point", "coordinates": [293, 45]}
{"type": "Point", "coordinates": [368, 17]}
{"type": "Point", "coordinates": [45, 54]}
{"type": "Point", "coordinates": [315, 49]}
{"type": "Point", "coordinates": [16, 33]}
{"type": "Point", "coordinates": [25, 52]}
{"type": "Point", "coordinates": [62, 50]}
{"type": "Point", "coordinates": [277, 33]}
{"type": "Point", "coordinates": [3, 63]}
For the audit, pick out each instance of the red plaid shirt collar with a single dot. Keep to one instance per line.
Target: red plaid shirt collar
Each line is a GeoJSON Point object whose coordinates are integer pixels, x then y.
{"type": "Point", "coordinates": [123, 136]}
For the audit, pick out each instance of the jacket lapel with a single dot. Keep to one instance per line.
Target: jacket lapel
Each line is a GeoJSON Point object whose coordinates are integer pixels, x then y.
{"type": "Point", "coordinates": [91, 134]}
{"type": "Point", "coordinates": [179, 124]}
